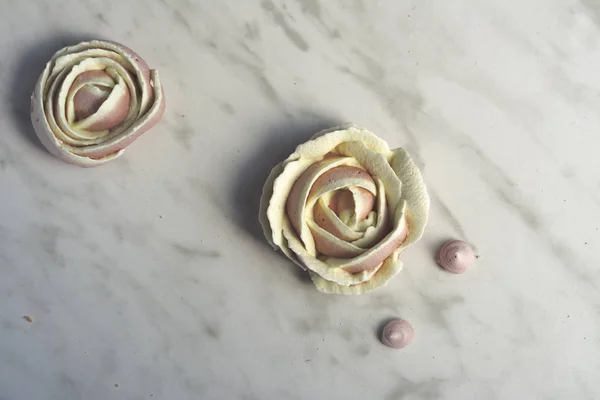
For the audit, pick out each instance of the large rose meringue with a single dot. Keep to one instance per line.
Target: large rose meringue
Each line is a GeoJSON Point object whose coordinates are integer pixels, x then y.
{"type": "Point", "coordinates": [344, 206]}
{"type": "Point", "coordinates": [93, 100]}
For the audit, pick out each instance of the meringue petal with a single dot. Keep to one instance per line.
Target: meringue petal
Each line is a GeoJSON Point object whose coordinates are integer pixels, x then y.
{"type": "Point", "coordinates": [329, 221]}
{"type": "Point", "coordinates": [332, 246]}
{"type": "Point", "coordinates": [375, 233]}
{"type": "Point", "coordinates": [111, 113]}
{"type": "Point", "coordinates": [348, 271]}
{"type": "Point", "coordinates": [298, 194]}
{"type": "Point", "coordinates": [414, 192]}
{"type": "Point", "coordinates": [363, 202]}
{"type": "Point", "coordinates": [377, 164]}
{"type": "Point", "coordinates": [89, 90]}
{"type": "Point", "coordinates": [391, 266]}
{"type": "Point", "coordinates": [338, 178]}
{"type": "Point", "coordinates": [377, 254]}
{"type": "Point", "coordinates": [337, 275]}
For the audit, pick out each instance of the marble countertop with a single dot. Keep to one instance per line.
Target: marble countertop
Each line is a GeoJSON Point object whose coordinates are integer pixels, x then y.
{"type": "Point", "coordinates": [149, 277]}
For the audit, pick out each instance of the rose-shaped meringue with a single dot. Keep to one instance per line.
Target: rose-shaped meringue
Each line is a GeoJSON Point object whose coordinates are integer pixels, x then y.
{"type": "Point", "coordinates": [397, 334]}
{"type": "Point", "coordinates": [456, 256]}
{"type": "Point", "coordinates": [93, 100]}
{"type": "Point", "coordinates": [344, 206]}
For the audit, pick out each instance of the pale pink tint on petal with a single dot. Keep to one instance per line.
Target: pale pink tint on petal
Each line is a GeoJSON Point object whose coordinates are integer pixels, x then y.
{"type": "Point", "coordinates": [322, 219]}
{"type": "Point", "coordinates": [366, 203]}
{"type": "Point", "coordinates": [131, 138]}
{"type": "Point", "coordinates": [141, 64]}
{"type": "Point", "coordinates": [345, 202]}
{"type": "Point", "coordinates": [333, 202]}
{"type": "Point", "coordinates": [292, 205]}
{"type": "Point", "coordinates": [330, 248]}
{"type": "Point", "coordinates": [338, 173]}
{"type": "Point", "coordinates": [88, 100]}
{"type": "Point", "coordinates": [378, 256]}
{"type": "Point", "coordinates": [118, 114]}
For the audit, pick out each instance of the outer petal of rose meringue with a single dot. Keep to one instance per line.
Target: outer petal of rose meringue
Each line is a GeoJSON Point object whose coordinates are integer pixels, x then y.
{"type": "Point", "coordinates": [267, 193]}
{"type": "Point", "coordinates": [134, 104]}
{"type": "Point", "coordinates": [391, 266]}
{"type": "Point", "coordinates": [318, 266]}
{"type": "Point", "coordinates": [332, 246]}
{"type": "Point", "coordinates": [414, 192]}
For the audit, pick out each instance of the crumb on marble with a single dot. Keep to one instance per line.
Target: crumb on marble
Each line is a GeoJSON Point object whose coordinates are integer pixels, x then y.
{"type": "Point", "coordinates": [28, 319]}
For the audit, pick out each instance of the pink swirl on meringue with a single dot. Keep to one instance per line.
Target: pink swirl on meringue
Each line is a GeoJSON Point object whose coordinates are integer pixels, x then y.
{"type": "Point", "coordinates": [93, 100]}
{"type": "Point", "coordinates": [456, 256]}
{"type": "Point", "coordinates": [397, 334]}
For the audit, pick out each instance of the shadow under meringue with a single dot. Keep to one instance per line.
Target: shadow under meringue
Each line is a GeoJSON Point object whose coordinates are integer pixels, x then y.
{"type": "Point", "coordinates": [275, 145]}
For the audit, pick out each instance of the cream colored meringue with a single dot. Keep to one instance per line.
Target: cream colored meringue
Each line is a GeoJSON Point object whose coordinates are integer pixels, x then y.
{"type": "Point", "coordinates": [456, 256]}
{"type": "Point", "coordinates": [344, 206]}
{"type": "Point", "coordinates": [94, 99]}
{"type": "Point", "coordinates": [397, 334]}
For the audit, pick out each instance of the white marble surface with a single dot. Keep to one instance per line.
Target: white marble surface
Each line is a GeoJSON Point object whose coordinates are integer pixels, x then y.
{"type": "Point", "coordinates": [149, 278]}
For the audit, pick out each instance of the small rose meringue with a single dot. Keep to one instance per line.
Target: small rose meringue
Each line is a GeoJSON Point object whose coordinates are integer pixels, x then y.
{"type": "Point", "coordinates": [397, 334]}
{"type": "Point", "coordinates": [456, 256]}
{"type": "Point", "coordinates": [93, 100]}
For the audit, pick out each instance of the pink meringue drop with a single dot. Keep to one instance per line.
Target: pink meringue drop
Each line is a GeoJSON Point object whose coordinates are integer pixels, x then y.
{"type": "Point", "coordinates": [456, 256]}
{"type": "Point", "coordinates": [397, 334]}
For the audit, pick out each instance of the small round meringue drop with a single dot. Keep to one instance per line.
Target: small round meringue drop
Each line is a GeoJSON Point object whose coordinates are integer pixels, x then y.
{"type": "Point", "coordinates": [456, 256]}
{"type": "Point", "coordinates": [397, 334]}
